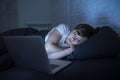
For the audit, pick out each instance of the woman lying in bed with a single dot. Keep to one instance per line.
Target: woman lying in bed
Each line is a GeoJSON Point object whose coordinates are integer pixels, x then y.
{"type": "Point", "coordinates": [60, 41]}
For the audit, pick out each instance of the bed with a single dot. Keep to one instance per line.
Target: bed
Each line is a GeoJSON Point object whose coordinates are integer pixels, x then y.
{"type": "Point", "coordinates": [97, 58]}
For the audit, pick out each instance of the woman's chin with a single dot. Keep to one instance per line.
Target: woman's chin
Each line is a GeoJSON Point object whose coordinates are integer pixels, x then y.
{"type": "Point", "coordinates": [69, 43]}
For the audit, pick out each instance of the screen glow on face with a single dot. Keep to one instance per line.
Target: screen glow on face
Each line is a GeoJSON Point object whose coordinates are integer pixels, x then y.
{"type": "Point", "coordinates": [75, 39]}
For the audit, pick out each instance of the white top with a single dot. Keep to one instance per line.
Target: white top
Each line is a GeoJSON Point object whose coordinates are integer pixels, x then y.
{"type": "Point", "coordinates": [64, 30]}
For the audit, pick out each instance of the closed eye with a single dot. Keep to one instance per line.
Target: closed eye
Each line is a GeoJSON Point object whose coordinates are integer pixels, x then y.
{"type": "Point", "coordinates": [75, 33]}
{"type": "Point", "coordinates": [80, 40]}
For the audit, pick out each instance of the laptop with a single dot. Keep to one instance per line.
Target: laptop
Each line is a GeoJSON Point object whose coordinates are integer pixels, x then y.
{"type": "Point", "coordinates": [29, 52]}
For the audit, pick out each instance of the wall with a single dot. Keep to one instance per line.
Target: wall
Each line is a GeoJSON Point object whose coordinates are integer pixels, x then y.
{"type": "Point", "coordinates": [72, 12]}
{"type": "Point", "coordinates": [60, 11]}
{"type": "Point", "coordinates": [8, 14]}
{"type": "Point", "coordinates": [95, 12]}
{"type": "Point", "coordinates": [34, 12]}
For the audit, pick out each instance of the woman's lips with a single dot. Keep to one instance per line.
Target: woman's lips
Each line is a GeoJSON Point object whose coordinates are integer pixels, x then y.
{"type": "Point", "coordinates": [70, 40]}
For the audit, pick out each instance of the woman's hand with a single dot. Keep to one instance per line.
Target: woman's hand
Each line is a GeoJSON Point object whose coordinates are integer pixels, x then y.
{"type": "Point", "coordinates": [72, 47]}
{"type": "Point", "coordinates": [62, 53]}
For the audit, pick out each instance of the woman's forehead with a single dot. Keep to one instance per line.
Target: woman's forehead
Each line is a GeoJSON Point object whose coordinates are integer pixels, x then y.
{"type": "Point", "coordinates": [78, 31]}
{"type": "Point", "coordinates": [81, 37]}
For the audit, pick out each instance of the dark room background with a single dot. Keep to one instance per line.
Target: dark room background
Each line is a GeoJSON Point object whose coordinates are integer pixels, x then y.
{"type": "Point", "coordinates": [18, 13]}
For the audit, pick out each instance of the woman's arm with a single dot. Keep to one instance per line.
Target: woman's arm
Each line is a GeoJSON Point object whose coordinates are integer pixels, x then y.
{"type": "Point", "coordinates": [60, 54]}
{"type": "Point", "coordinates": [54, 51]}
{"type": "Point", "coordinates": [51, 43]}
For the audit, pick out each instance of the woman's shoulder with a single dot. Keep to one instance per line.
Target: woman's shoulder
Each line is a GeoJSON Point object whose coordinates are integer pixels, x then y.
{"type": "Point", "coordinates": [62, 27]}
{"type": "Point", "coordinates": [62, 24]}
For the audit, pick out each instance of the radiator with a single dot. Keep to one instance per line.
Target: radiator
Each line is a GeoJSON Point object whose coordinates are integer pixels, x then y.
{"type": "Point", "coordinates": [40, 26]}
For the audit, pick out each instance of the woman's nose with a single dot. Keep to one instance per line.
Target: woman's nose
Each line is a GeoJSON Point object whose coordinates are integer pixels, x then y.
{"type": "Point", "coordinates": [73, 38]}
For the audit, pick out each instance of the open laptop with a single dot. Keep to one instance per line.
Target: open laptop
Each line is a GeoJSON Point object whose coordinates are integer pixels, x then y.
{"type": "Point", "coordinates": [29, 52]}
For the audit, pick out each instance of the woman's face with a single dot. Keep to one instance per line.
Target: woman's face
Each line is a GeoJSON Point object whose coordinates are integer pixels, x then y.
{"type": "Point", "coordinates": [74, 39]}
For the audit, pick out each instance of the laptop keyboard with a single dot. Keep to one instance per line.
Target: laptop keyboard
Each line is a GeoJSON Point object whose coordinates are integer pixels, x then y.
{"type": "Point", "coordinates": [54, 66]}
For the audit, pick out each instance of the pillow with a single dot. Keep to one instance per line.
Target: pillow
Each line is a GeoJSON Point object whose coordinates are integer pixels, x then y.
{"type": "Point", "coordinates": [3, 48]}
{"type": "Point", "coordinates": [104, 43]}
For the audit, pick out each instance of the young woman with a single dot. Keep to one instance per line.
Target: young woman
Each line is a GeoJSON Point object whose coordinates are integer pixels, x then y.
{"type": "Point", "coordinates": [60, 41]}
